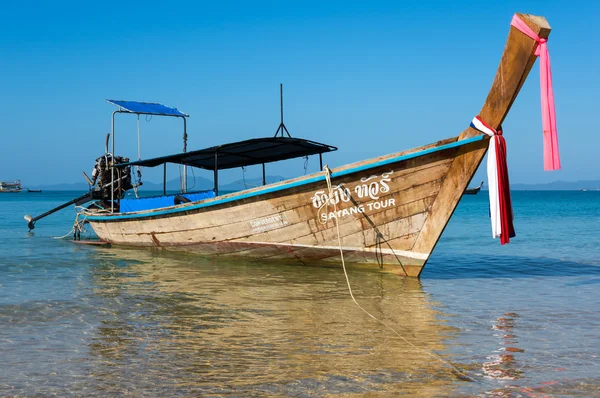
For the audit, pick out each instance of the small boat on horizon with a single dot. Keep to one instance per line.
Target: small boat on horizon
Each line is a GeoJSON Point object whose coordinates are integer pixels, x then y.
{"type": "Point", "coordinates": [34, 190]}
{"type": "Point", "coordinates": [473, 190]}
{"type": "Point", "coordinates": [10, 186]}
{"type": "Point", "coordinates": [387, 212]}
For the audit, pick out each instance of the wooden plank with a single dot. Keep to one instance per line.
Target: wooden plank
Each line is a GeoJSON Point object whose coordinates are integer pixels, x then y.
{"type": "Point", "coordinates": [361, 230]}
{"type": "Point", "coordinates": [229, 229]}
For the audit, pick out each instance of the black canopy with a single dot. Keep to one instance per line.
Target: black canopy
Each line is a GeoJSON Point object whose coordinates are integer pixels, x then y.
{"type": "Point", "coordinates": [243, 153]}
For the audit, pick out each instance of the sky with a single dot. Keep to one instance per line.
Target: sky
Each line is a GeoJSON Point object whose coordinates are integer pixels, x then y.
{"type": "Point", "coordinates": [370, 77]}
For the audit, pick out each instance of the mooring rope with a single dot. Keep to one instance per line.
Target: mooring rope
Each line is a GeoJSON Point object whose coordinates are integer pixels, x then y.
{"type": "Point", "coordinates": [78, 226]}
{"type": "Point", "coordinates": [460, 374]}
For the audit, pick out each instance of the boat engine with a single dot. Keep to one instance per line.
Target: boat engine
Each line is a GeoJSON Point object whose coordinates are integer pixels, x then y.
{"type": "Point", "coordinates": [103, 175]}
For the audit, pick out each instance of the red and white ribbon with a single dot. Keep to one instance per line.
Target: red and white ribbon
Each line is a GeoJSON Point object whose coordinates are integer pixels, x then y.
{"type": "Point", "coordinates": [499, 188]}
{"type": "Point", "coordinates": [551, 155]}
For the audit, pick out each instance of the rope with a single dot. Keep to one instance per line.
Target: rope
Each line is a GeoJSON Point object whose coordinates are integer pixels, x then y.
{"type": "Point", "coordinates": [379, 251]}
{"type": "Point", "coordinates": [65, 235]}
{"type": "Point", "coordinates": [244, 176]}
{"type": "Point", "coordinates": [246, 185]}
{"type": "Point", "coordinates": [194, 176]}
{"type": "Point", "coordinates": [378, 234]}
{"type": "Point", "coordinates": [327, 172]}
{"type": "Point", "coordinates": [137, 181]}
{"type": "Point", "coordinates": [78, 226]}
{"type": "Point", "coordinates": [86, 212]}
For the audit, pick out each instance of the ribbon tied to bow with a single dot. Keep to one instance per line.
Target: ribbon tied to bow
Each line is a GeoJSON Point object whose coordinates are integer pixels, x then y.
{"type": "Point", "coordinates": [551, 155]}
{"type": "Point", "coordinates": [501, 211]}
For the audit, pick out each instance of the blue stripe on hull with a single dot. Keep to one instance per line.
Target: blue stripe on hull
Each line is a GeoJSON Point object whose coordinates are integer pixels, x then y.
{"type": "Point", "coordinates": [282, 187]}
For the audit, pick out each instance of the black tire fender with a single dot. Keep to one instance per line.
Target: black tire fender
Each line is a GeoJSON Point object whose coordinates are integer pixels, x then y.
{"type": "Point", "coordinates": [179, 199]}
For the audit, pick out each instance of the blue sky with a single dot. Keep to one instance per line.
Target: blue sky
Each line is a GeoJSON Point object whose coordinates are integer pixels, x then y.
{"type": "Point", "coordinates": [369, 77]}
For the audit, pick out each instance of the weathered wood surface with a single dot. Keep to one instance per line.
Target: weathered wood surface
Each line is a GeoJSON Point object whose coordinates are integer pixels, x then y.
{"type": "Point", "coordinates": [398, 233]}
{"type": "Point", "coordinates": [394, 215]}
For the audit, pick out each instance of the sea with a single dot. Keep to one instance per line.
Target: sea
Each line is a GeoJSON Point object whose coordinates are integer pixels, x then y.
{"type": "Point", "coordinates": [484, 319]}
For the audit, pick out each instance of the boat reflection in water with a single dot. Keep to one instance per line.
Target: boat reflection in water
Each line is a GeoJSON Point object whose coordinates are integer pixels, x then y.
{"type": "Point", "coordinates": [180, 323]}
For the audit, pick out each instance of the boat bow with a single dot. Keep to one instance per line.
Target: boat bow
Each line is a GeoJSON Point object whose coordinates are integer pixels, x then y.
{"type": "Point", "coordinates": [516, 63]}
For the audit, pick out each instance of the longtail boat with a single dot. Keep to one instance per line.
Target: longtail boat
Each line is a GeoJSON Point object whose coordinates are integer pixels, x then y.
{"type": "Point", "coordinates": [389, 211]}
{"type": "Point", "coordinates": [474, 190]}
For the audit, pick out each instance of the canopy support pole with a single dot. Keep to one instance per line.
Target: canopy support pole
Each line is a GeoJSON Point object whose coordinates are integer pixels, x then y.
{"type": "Point", "coordinates": [264, 176]}
{"type": "Point", "coordinates": [139, 139]}
{"type": "Point", "coordinates": [165, 178]}
{"type": "Point", "coordinates": [184, 182]}
{"type": "Point", "coordinates": [112, 168]}
{"type": "Point", "coordinates": [321, 161]}
{"type": "Point", "coordinates": [139, 168]}
{"type": "Point", "coordinates": [216, 174]}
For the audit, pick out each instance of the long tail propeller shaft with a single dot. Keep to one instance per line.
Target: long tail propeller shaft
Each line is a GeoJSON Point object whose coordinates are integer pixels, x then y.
{"type": "Point", "coordinates": [77, 201]}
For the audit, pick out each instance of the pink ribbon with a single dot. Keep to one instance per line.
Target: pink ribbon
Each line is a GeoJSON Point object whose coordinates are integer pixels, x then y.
{"type": "Point", "coordinates": [551, 156]}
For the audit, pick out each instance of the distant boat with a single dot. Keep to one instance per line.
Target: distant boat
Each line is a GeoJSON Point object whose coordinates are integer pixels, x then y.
{"type": "Point", "coordinates": [10, 186]}
{"type": "Point", "coordinates": [474, 190]}
{"type": "Point", "coordinates": [34, 190]}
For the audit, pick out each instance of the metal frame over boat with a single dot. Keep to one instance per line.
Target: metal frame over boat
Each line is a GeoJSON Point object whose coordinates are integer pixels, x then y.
{"type": "Point", "coordinates": [391, 210]}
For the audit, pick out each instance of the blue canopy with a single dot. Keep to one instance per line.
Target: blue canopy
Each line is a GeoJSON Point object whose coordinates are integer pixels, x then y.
{"type": "Point", "coordinates": [147, 108]}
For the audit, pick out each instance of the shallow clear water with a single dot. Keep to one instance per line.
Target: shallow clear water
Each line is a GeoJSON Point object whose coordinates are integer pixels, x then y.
{"type": "Point", "coordinates": [484, 320]}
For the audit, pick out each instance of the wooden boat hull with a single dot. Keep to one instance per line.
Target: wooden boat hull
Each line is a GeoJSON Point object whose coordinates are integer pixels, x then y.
{"type": "Point", "coordinates": [380, 205]}
{"type": "Point", "coordinates": [391, 210]}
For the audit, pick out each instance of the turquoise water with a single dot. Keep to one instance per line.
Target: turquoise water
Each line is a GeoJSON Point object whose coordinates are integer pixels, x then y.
{"type": "Point", "coordinates": [484, 320]}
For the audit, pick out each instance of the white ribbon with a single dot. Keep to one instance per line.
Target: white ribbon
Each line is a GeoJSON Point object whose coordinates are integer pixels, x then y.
{"type": "Point", "coordinates": [492, 172]}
